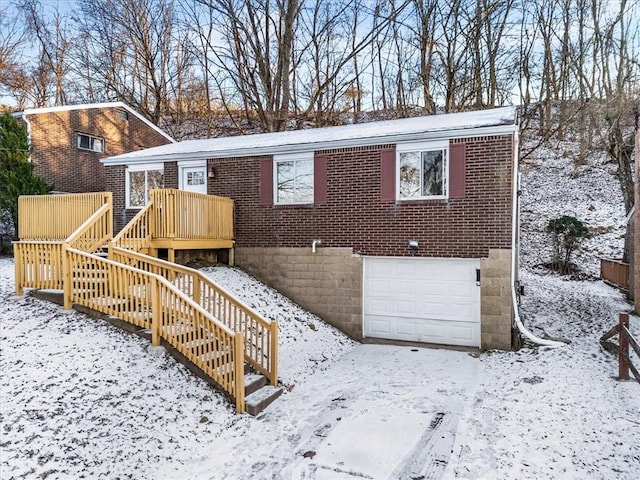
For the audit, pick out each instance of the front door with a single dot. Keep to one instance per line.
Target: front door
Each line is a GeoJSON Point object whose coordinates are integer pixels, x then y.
{"type": "Point", "coordinates": [194, 179]}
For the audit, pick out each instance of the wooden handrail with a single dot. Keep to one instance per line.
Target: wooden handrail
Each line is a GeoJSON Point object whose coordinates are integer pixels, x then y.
{"type": "Point", "coordinates": [261, 334]}
{"type": "Point", "coordinates": [150, 301]}
{"type": "Point", "coordinates": [136, 234]}
{"type": "Point", "coordinates": [626, 340]}
{"type": "Point", "coordinates": [99, 228]}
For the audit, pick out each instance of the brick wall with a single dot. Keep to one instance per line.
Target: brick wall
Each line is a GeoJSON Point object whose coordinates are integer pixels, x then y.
{"type": "Point", "coordinates": [57, 158]}
{"type": "Point", "coordinates": [355, 217]}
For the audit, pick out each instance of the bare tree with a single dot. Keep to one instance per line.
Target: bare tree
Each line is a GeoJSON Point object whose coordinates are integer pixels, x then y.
{"type": "Point", "coordinates": [127, 52]}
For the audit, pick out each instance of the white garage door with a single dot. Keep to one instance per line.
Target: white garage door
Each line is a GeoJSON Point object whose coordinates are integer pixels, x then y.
{"type": "Point", "coordinates": [431, 300]}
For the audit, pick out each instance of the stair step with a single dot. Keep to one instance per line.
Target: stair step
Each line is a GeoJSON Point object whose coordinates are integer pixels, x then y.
{"type": "Point", "coordinates": [177, 329]}
{"type": "Point", "coordinates": [253, 382]}
{"type": "Point", "coordinates": [214, 355]}
{"type": "Point", "coordinates": [200, 343]}
{"type": "Point", "coordinates": [258, 401]}
{"type": "Point", "coordinates": [108, 301]}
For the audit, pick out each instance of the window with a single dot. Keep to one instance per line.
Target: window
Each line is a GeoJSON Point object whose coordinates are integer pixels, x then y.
{"type": "Point", "coordinates": [122, 114]}
{"type": "Point", "coordinates": [195, 178]}
{"type": "Point", "coordinates": [423, 171]}
{"type": "Point", "coordinates": [139, 181]}
{"type": "Point", "coordinates": [293, 179]}
{"type": "Point", "coordinates": [87, 142]}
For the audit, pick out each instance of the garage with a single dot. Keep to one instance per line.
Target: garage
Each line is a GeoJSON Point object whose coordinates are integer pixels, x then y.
{"type": "Point", "coordinates": [429, 300]}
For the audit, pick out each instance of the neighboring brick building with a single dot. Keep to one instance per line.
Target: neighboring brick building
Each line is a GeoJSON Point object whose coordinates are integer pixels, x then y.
{"type": "Point", "coordinates": [400, 230]}
{"type": "Point", "coordinates": [69, 142]}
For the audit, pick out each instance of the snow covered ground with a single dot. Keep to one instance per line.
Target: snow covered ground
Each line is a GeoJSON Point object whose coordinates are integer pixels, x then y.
{"type": "Point", "coordinates": [82, 399]}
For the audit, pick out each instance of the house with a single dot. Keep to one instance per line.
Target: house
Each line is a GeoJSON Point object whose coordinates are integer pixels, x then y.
{"type": "Point", "coordinates": [402, 230]}
{"type": "Point", "coordinates": [69, 141]}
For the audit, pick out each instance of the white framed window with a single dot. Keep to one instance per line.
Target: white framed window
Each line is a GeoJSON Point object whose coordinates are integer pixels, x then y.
{"type": "Point", "coordinates": [293, 179]}
{"type": "Point", "coordinates": [140, 180]}
{"type": "Point", "coordinates": [422, 171]}
{"type": "Point", "coordinates": [91, 143]}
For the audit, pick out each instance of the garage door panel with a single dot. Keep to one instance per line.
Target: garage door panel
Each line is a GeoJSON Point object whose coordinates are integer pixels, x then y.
{"type": "Point", "coordinates": [421, 299]}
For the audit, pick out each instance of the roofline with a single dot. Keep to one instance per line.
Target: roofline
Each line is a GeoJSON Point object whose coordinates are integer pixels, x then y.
{"type": "Point", "coordinates": [87, 106]}
{"type": "Point", "coordinates": [319, 145]}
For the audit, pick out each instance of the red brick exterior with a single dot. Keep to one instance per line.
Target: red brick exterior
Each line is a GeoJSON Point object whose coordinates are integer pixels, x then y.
{"type": "Point", "coordinates": [355, 216]}
{"type": "Point", "coordinates": [55, 146]}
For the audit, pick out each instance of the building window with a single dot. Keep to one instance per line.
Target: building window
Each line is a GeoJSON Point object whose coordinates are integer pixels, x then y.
{"type": "Point", "coordinates": [293, 179]}
{"type": "Point", "coordinates": [140, 180]}
{"type": "Point", "coordinates": [87, 142]}
{"type": "Point", "coordinates": [423, 170]}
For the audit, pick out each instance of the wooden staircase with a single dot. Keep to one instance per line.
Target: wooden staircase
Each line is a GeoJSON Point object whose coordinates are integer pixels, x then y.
{"type": "Point", "coordinates": [215, 334]}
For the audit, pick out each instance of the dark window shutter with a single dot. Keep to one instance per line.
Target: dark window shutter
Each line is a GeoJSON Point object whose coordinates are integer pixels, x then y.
{"type": "Point", "coordinates": [320, 179]}
{"type": "Point", "coordinates": [266, 182]}
{"type": "Point", "coordinates": [457, 170]}
{"type": "Point", "coordinates": [388, 174]}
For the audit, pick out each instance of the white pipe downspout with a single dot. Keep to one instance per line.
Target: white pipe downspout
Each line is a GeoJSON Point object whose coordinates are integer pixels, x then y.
{"type": "Point", "coordinates": [24, 118]}
{"type": "Point", "coordinates": [514, 263]}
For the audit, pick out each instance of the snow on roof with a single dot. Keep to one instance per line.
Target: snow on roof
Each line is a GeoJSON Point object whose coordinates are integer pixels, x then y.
{"type": "Point", "coordinates": [451, 125]}
{"type": "Point", "coordinates": [87, 106]}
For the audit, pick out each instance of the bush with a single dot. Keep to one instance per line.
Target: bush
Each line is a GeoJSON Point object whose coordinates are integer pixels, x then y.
{"type": "Point", "coordinates": [567, 233]}
{"type": "Point", "coordinates": [16, 171]}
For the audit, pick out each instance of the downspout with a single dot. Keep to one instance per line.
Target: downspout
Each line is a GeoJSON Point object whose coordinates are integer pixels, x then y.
{"type": "Point", "coordinates": [514, 257]}
{"type": "Point", "coordinates": [23, 115]}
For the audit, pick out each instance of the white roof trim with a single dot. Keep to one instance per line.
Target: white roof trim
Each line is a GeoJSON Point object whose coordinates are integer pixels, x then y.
{"type": "Point", "coordinates": [87, 106]}
{"type": "Point", "coordinates": [498, 121]}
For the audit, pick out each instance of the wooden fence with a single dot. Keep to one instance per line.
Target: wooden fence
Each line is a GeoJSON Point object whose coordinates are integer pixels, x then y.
{"type": "Point", "coordinates": [55, 217]}
{"type": "Point", "coordinates": [626, 340]}
{"type": "Point", "coordinates": [615, 273]}
{"type": "Point", "coordinates": [260, 334]}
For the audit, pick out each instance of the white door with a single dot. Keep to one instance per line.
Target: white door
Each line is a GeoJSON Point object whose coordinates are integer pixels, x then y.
{"type": "Point", "coordinates": [430, 300]}
{"type": "Point", "coordinates": [194, 179]}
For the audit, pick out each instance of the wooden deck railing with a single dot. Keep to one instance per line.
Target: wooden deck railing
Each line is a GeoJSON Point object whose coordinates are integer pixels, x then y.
{"type": "Point", "coordinates": [38, 262]}
{"type": "Point", "coordinates": [615, 272]}
{"type": "Point", "coordinates": [152, 302]}
{"type": "Point", "coordinates": [55, 217]}
{"type": "Point", "coordinates": [186, 215]}
{"type": "Point", "coordinates": [137, 234]}
{"type": "Point", "coordinates": [260, 334]}
{"type": "Point", "coordinates": [95, 232]}
{"type": "Point", "coordinates": [626, 340]}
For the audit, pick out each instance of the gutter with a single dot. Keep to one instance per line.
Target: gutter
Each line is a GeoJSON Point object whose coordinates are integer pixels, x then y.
{"type": "Point", "coordinates": [514, 258]}
{"type": "Point", "coordinates": [306, 146]}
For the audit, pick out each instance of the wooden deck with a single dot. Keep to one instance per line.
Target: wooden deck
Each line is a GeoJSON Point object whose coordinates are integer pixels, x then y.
{"type": "Point", "coordinates": [211, 328]}
{"type": "Point", "coordinates": [177, 220]}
